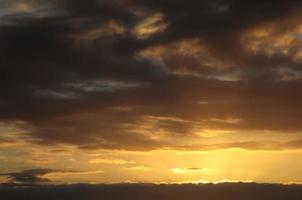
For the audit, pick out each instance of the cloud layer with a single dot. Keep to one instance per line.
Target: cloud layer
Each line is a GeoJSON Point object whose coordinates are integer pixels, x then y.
{"type": "Point", "coordinates": [143, 75]}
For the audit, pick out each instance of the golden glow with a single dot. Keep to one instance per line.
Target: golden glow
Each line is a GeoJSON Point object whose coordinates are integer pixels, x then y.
{"type": "Point", "coordinates": [209, 156]}
{"type": "Point", "coordinates": [161, 166]}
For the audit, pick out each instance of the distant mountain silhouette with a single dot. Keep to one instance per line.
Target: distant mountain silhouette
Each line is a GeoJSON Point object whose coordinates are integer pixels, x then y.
{"type": "Point", "coordinates": [223, 191]}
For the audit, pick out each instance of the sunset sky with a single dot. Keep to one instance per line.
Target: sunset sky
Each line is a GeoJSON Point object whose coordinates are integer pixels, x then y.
{"type": "Point", "coordinates": [152, 91]}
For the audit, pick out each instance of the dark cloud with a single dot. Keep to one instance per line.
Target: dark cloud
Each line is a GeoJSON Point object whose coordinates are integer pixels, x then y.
{"type": "Point", "coordinates": [5, 141]}
{"type": "Point", "coordinates": [75, 72]}
{"type": "Point", "coordinates": [33, 176]}
{"type": "Point", "coordinates": [247, 145]}
{"type": "Point", "coordinates": [29, 176]}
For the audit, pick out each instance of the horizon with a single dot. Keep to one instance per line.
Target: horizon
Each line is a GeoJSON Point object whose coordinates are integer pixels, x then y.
{"type": "Point", "coordinates": [226, 191]}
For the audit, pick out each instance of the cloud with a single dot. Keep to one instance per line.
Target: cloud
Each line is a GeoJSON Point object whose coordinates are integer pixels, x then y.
{"type": "Point", "coordinates": [29, 176]}
{"type": "Point", "coordinates": [188, 170]}
{"type": "Point", "coordinates": [150, 25]}
{"type": "Point", "coordinates": [110, 161]}
{"type": "Point", "coordinates": [247, 145]}
{"type": "Point", "coordinates": [67, 65]}
{"type": "Point", "coordinates": [138, 168]}
{"type": "Point", "coordinates": [6, 141]}
{"type": "Point", "coordinates": [40, 175]}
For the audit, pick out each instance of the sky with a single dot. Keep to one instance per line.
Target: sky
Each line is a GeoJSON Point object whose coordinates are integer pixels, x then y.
{"type": "Point", "coordinates": [151, 91]}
